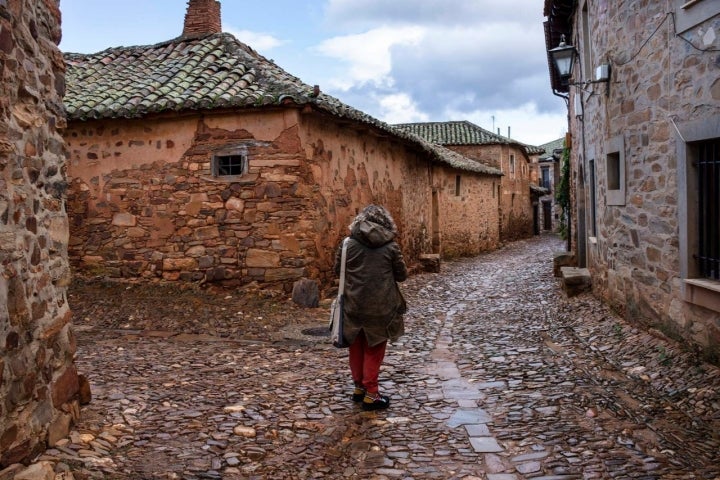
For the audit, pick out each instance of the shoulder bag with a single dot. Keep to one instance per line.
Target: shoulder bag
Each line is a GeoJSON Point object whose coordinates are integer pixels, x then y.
{"type": "Point", "coordinates": [336, 311]}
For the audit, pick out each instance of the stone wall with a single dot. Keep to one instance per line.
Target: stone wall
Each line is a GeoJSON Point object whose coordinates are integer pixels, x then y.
{"type": "Point", "coordinates": [634, 250]}
{"type": "Point", "coordinates": [38, 380]}
{"type": "Point", "coordinates": [516, 216]}
{"type": "Point", "coordinates": [144, 202]}
{"type": "Point", "coordinates": [469, 214]}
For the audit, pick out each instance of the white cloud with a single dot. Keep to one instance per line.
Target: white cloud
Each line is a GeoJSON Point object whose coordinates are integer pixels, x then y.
{"type": "Point", "coordinates": [261, 42]}
{"type": "Point", "coordinates": [400, 108]}
{"type": "Point", "coordinates": [368, 55]}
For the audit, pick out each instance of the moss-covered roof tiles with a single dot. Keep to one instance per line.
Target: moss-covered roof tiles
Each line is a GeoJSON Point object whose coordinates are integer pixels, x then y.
{"type": "Point", "coordinates": [212, 72]}
{"type": "Point", "coordinates": [462, 133]}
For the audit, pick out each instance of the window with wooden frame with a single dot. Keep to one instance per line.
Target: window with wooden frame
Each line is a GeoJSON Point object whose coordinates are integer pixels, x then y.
{"type": "Point", "coordinates": [230, 163]}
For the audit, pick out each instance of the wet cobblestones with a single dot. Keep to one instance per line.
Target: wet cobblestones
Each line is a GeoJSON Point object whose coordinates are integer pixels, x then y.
{"type": "Point", "coordinates": [500, 377]}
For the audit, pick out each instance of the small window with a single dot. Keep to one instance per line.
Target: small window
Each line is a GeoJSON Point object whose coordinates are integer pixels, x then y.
{"type": "Point", "coordinates": [457, 185]}
{"type": "Point", "coordinates": [545, 181]}
{"type": "Point", "coordinates": [228, 165]}
{"type": "Point", "coordinates": [615, 172]}
{"type": "Point", "coordinates": [231, 162]}
{"type": "Point", "coordinates": [512, 164]}
{"type": "Point", "coordinates": [593, 199]}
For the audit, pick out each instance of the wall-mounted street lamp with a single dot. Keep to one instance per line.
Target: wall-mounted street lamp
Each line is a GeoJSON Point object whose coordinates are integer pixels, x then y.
{"type": "Point", "coordinates": [563, 57]}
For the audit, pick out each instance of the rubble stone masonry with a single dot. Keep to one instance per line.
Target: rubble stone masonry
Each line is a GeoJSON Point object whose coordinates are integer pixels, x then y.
{"type": "Point", "coordinates": [38, 380]}
{"type": "Point", "coordinates": [663, 80]}
{"type": "Point", "coordinates": [144, 201]}
{"type": "Point", "coordinates": [516, 216]}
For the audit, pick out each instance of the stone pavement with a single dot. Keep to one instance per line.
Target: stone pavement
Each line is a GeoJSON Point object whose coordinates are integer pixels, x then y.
{"type": "Point", "coordinates": [499, 377]}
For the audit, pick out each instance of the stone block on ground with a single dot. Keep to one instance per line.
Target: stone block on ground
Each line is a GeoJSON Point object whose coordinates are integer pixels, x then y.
{"type": "Point", "coordinates": [575, 280]}
{"type": "Point", "coordinates": [306, 293]}
{"type": "Point", "coordinates": [430, 262]}
{"type": "Point", "coordinates": [37, 471]}
{"type": "Point", "coordinates": [562, 259]}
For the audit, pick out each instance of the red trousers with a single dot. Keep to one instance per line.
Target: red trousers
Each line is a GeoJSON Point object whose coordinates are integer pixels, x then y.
{"type": "Point", "coordinates": [365, 362]}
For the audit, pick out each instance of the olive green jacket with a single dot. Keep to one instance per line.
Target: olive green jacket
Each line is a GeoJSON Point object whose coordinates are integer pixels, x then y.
{"type": "Point", "coordinates": [373, 302]}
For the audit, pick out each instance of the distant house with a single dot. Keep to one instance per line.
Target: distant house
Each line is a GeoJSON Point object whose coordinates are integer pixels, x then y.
{"type": "Point", "coordinates": [517, 196]}
{"type": "Point", "coordinates": [644, 110]}
{"type": "Point", "coordinates": [198, 159]}
{"type": "Point", "coordinates": [545, 172]}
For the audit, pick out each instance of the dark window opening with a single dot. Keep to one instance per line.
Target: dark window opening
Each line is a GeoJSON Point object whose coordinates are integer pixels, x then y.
{"type": "Point", "coordinates": [231, 165]}
{"type": "Point", "coordinates": [708, 170]}
{"type": "Point", "coordinates": [613, 171]}
{"type": "Point", "coordinates": [457, 185]}
{"type": "Point", "coordinates": [545, 177]}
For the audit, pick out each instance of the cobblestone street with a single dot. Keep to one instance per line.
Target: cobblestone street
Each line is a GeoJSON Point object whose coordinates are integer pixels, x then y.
{"type": "Point", "coordinates": [499, 377]}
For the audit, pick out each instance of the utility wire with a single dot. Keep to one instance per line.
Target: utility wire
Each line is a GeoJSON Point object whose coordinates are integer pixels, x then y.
{"type": "Point", "coordinates": [647, 40]}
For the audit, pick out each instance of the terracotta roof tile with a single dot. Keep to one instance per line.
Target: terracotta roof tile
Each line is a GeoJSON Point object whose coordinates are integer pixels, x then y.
{"type": "Point", "coordinates": [215, 71]}
{"type": "Point", "coordinates": [462, 133]}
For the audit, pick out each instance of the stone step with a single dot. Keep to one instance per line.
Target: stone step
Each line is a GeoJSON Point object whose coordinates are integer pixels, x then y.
{"type": "Point", "coordinates": [562, 259]}
{"type": "Point", "coordinates": [575, 280]}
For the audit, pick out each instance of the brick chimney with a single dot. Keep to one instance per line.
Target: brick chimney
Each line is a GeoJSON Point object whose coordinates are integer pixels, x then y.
{"type": "Point", "coordinates": [202, 18]}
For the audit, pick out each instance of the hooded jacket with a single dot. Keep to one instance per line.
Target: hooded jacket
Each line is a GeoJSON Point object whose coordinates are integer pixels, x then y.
{"type": "Point", "coordinates": [373, 302]}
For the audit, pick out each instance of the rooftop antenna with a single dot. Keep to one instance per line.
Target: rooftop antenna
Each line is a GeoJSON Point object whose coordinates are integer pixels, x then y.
{"type": "Point", "coordinates": [493, 119]}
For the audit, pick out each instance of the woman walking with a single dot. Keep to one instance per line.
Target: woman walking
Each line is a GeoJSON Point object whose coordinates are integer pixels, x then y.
{"type": "Point", "coordinates": [373, 303]}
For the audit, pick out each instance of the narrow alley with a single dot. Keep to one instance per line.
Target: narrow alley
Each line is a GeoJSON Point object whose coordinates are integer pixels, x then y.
{"type": "Point", "coordinates": [499, 377]}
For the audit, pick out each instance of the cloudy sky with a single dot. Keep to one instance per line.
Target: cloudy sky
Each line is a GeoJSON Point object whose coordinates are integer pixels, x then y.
{"type": "Point", "coordinates": [397, 60]}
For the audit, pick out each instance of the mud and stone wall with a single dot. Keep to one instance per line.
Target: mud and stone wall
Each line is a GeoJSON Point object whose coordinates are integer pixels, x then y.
{"type": "Point", "coordinates": [38, 379]}
{"type": "Point", "coordinates": [144, 201]}
{"type": "Point", "coordinates": [516, 216]}
{"type": "Point", "coordinates": [469, 213]}
{"type": "Point", "coordinates": [634, 237]}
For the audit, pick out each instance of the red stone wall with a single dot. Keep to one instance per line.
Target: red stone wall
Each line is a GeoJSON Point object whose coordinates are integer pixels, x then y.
{"type": "Point", "coordinates": [516, 217]}
{"type": "Point", "coordinates": [143, 201]}
{"type": "Point", "coordinates": [38, 380]}
{"type": "Point", "coordinates": [469, 212]}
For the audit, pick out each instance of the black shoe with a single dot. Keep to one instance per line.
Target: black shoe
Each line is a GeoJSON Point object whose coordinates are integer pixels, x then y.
{"type": "Point", "coordinates": [380, 402]}
{"type": "Point", "coordinates": [358, 394]}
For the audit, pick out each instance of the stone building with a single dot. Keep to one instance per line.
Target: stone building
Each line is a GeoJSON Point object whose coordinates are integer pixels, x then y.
{"type": "Point", "coordinates": [38, 378]}
{"type": "Point", "coordinates": [198, 159]}
{"type": "Point", "coordinates": [644, 114]}
{"type": "Point", "coordinates": [517, 195]}
{"type": "Point", "coordinates": [545, 172]}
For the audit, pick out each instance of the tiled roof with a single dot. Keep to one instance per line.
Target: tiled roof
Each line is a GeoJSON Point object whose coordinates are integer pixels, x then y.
{"type": "Point", "coordinates": [462, 133]}
{"type": "Point", "coordinates": [550, 147]}
{"type": "Point", "coordinates": [212, 72]}
{"type": "Point", "coordinates": [216, 71]}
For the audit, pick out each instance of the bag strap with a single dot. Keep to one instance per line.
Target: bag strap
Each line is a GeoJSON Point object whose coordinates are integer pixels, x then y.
{"type": "Point", "coordinates": [343, 257]}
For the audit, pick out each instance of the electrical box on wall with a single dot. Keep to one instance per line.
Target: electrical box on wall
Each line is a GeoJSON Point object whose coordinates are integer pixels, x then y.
{"type": "Point", "coordinates": [602, 73]}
